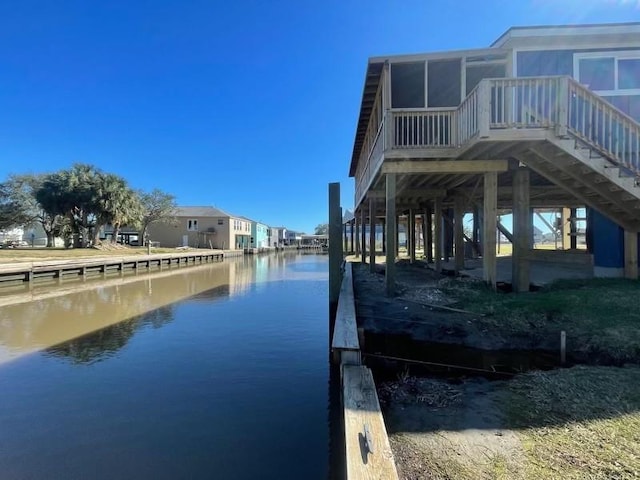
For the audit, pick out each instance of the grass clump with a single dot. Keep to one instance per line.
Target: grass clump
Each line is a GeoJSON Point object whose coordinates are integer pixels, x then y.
{"type": "Point", "coordinates": [578, 423]}
{"type": "Point", "coordinates": [600, 316]}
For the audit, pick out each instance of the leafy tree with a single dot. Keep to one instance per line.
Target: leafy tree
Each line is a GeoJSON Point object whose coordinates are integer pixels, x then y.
{"type": "Point", "coordinates": [12, 213]}
{"type": "Point", "coordinates": [322, 229]}
{"type": "Point", "coordinates": [157, 207]}
{"type": "Point", "coordinates": [22, 190]}
{"type": "Point", "coordinates": [90, 199]}
{"type": "Point", "coordinates": [118, 204]}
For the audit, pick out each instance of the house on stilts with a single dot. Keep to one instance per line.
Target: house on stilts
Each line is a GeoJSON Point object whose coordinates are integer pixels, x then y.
{"type": "Point", "coordinates": [545, 117]}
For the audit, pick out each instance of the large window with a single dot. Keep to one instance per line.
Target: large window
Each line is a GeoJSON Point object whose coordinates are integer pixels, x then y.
{"type": "Point", "coordinates": [407, 85]}
{"type": "Point", "coordinates": [444, 77]}
{"type": "Point", "coordinates": [609, 73]}
{"type": "Point", "coordinates": [192, 225]}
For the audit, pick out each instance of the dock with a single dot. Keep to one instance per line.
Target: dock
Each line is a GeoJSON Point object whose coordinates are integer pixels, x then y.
{"type": "Point", "coordinates": [368, 453]}
{"type": "Point", "coordinates": [85, 267]}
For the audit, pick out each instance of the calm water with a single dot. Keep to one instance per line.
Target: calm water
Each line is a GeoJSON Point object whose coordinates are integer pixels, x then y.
{"type": "Point", "coordinates": [224, 377]}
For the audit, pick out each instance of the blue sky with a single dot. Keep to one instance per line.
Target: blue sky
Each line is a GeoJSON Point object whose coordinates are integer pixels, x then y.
{"type": "Point", "coordinates": [250, 106]}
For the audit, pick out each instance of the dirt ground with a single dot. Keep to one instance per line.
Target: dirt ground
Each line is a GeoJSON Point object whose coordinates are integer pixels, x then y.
{"type": "Point", "coordinates": [445, 426]}
{"type": "Point", "coordinates": [439, 429]}
{"type": "Point", "coordinates": [411, 311]}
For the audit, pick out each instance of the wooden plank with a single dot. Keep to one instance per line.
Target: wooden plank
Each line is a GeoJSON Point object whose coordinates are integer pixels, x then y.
{"type": "Point", "coordinates": [368, 453]}
{"type": "Point", "coordinates": [445, 166]}
{"type": "Point", "coordinates": [345, 333]}
{"type": "Point", "coordinates": [567, 257]}
{"type": "Point", "coordinates": [372, 235]}
{"type": "Point", "coordinates": [427, 193]}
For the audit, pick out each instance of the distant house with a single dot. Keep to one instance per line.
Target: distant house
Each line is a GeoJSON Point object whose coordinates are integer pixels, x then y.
{"type": "Point", "coordinates": [278, 236]}
{"type": "Point", "coordinates": [203, 227]}
{"type": "Point", "coordinates": [293, 238]}
{"type": "Point", "coordinates": [259, 234]}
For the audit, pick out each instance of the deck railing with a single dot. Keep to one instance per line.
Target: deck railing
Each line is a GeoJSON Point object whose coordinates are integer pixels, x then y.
{"type": "Point", "coordinates": [560, 103]}
{"type": "Point", "coordinates": [603, 126]}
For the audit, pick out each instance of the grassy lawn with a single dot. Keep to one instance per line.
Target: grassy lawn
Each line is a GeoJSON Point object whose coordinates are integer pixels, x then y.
{"type": "Point", "coordinates": [601, 316]}
{"type": "Point", "coordinates": [34, 254]}
{"type": "Point", "coordinates": [577, 423]}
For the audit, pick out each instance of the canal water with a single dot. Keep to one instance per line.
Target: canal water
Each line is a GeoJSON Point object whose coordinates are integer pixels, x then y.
{"type": "Point", "coordinates": [217, 371]}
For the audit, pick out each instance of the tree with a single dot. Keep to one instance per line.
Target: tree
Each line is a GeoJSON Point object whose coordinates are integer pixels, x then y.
{"type": "Point", "coordinates": [322, 229]}
{"type": "Point", "coordinates": [157, 207]}
{"type": "Point", "coordinates": [118, 205]}
{"type": "Point", "coordinates": [22, 189]}
{"type": "Point", "coordinates": [12, 213]}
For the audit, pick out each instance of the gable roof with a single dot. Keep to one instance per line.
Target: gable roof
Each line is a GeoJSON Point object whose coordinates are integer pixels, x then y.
{"type": "Point", "coordinates": [201, 212]}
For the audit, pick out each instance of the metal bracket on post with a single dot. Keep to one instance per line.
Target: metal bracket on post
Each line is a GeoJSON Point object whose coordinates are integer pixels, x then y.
{"type": "Point", "coordinates": [368, 439]}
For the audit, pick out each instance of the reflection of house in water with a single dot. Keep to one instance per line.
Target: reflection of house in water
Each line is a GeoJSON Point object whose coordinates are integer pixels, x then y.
{"type": "Point", "coordinates": [92, 312]}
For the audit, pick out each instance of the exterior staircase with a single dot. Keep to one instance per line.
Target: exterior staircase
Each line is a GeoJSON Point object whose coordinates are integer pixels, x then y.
{"type": "Point", "coordinates": [554, 125]}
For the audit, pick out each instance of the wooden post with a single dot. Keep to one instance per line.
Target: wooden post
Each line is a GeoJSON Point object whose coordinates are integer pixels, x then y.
{"type": "Point", "coordinates": [352, 233]}
{"type": "Point", "coordinates": [522, 227]}
{"type": "Point", "coordinates": [447, 228]}
{"type": "Point", "coordinates": [372, 235]}
{"type": "Point", "coordinates": [411, 224]}
{"type": "Point", "coordinates": [489, 214]}
{"type": "Point", "coordinates": [476, 230]}
{"type": "Point", "coordinates": [429, 238]}
{"type": "Point", "coordinates": [392, 227]}
{"type": "Point", "coordinates": [357, 251]}
{"type": "Point", "coordinates": [563, 347]}
{"type": "Point", "coordinates": [363, 235]}
{"type": "Point", "coordinates": [573, 228]}
{"type": "Point", "coordinates": [459, 233]}
{"type": "Point", "coordinates": [437, 235]}
{"type": "Point", "coordinates": [565, 229]}
{"type": "Point", "coordinates": [631, 255]}
{"type": "Point", "coordinates": [397, 234]}
{"type": "Point", "coordinates": [345, 247]}
{"type": "Point", "coordinates": [335, 251]}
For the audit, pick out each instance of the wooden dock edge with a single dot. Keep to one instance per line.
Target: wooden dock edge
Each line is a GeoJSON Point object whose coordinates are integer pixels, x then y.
{"type": "Point", "coordinates": [28, 271]}
{"type": "Point", "coordinates": [367, 450]}
{"type": "Point", "coordinates": [345, 347]}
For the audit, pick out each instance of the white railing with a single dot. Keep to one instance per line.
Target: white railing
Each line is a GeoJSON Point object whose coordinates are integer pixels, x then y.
{"type": "Point", "coordinates": [525, 102]}
{"type": "Point", "coordinates": [467, 118]}
{"type": "Point", "coordinates": [423, 128]}
{"type": "Point", "coordinates": [603, 126]}
{"type": "Point", "coordinates": [560, 103]}
{"type": "Point", "coordinates": [370, 160]}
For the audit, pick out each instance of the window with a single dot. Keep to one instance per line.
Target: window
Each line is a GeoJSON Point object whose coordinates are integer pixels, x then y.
{"type": "Point", "coordinates": [609, 73]}
{"type": "Point", "coordinates": [220, 221]}
{"type": "Point", "coordinates": [192, 225]}
{"type": "Point", "coordinates": [407, 85]}
{"type": "Point", "coordinates": [443, 83]}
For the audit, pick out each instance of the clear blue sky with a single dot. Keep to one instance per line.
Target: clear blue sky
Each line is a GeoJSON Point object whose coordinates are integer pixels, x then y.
{"type": "Point", "coordinates": [250, 106]}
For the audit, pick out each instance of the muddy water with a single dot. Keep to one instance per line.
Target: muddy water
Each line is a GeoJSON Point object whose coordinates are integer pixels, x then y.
{"type": "Point", "coordinates": [215, 371]}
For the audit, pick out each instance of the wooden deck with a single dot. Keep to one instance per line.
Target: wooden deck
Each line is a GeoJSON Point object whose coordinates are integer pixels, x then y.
{"type": "Point", "coordinates": [55, 269]}
{"type": "Point", "coordinates": [345, 345]}
{"type": "Point", "coordinates": [368, 451]}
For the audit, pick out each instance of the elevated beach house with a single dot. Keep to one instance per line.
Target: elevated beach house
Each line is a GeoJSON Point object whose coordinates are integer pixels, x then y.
{"type": "Point", "coordinates": [203, 227]}
{"type": "Point", "coordinates": [545, 117]}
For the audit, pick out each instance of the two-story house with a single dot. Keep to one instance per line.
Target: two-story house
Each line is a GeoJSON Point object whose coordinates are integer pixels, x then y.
{"type": "Point", "coordinates": [203, 227]}
{"type": "Point", "coordinates": [545, 117]}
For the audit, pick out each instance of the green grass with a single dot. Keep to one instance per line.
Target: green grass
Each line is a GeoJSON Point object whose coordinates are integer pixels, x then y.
{"type": "Point", "coordinates": [578, 423]}
{"type": "Point", "coordinates": [601, 316]}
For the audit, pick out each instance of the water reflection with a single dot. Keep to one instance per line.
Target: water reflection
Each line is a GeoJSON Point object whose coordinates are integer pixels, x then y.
{"type": "Point", "coordinates": [47, 315]}
{"type": "Point", "coordinates": [104, 343]}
